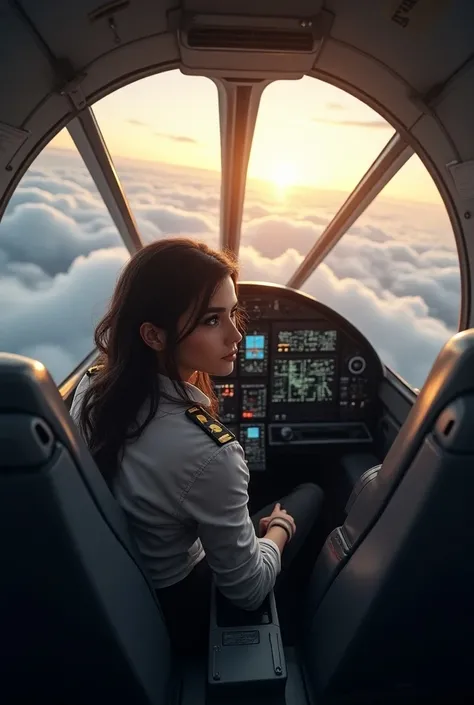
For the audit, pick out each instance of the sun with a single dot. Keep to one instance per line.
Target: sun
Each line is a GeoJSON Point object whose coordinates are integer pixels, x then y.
{"type": "Point", "coordinates": [284, 175]}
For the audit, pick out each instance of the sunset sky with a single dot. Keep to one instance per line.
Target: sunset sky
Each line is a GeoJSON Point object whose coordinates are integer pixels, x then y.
{"type": "Point", "coordinates": [395, 274]}
{"type": "Point", "coordinates": [308, 133]}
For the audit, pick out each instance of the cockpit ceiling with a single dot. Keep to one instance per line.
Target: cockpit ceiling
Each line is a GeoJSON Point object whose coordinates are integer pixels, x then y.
{"type": "Point", "coordinates": [411, 60]}
{"type": "Point", "coordinates": [397, 58]}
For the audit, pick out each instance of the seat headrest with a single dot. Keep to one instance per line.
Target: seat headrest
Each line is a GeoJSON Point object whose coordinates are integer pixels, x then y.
{"type": "Point", "coordinates": [26, 387]}
{"type": "Point", "coordinates": [450, 376]}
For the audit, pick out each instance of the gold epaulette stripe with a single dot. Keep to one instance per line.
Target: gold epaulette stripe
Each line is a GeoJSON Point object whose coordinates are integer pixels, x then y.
{"type": "Point", "coordinates": [219, 433]}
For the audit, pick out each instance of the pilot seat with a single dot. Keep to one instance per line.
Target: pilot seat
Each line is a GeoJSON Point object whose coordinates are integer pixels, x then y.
{"type": "Point", "coordinates": [79, 619]}
{"type": "Point", "coordinates": [390, 613]}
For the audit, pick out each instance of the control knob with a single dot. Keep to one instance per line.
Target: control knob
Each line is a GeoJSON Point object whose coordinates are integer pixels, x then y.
{"type": "Point", "coordinates": [286, 433]}
{"type": "Point", "coordinates": [356, 365]}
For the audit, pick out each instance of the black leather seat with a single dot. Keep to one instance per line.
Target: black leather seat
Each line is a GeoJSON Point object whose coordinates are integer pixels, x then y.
{"type": "Point", "coordinates": [391, 601]}
{"type": "Point", "coordinates": [79, 620]}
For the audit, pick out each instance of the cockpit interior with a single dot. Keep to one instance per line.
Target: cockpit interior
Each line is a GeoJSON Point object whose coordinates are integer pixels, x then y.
{"type": "Point", "coordinates": [304, 393]}
{"type": "Point", "coordinates": [385, 615]}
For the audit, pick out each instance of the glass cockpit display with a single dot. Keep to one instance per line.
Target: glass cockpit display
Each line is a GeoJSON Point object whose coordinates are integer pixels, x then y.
{"type": "Point", "coordinates": [306, 341]}
{"type": "Point", "coordinates": [227, 398]}
{"type": "Point", "coordinates": [253, 401]}
{"type": "Point", "coordinates": [307, 380]}
{"type": "Point", "coordinates": [254, 353]}
{"type": "Point", "coordinates": [252, 440]}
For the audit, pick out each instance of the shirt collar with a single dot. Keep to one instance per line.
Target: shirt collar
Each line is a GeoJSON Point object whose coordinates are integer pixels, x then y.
{"type": "Point", "coordinates": [172, 390]}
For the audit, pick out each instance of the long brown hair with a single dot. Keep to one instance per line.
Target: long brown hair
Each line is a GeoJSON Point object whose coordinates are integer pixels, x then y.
{"type": "Point", "coordinates": [159, 284]}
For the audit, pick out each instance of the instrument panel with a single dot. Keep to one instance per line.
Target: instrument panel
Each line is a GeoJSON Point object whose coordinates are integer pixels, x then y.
{"type": "Point", "coordinates": [304, 376]}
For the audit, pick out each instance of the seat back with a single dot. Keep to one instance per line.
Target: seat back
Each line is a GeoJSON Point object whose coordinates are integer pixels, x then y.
{"type": "Point", "coordinates": [80, 621]}
{"type": "Point", "coordinates": [389, 608]}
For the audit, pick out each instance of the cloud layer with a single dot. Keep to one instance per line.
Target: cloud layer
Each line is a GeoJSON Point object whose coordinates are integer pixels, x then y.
{"type": "Point", "coordinates": [395, 275]}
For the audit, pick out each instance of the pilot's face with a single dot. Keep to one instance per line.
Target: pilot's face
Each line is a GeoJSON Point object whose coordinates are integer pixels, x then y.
{"type": "Point", "coordinates": [212, 345]}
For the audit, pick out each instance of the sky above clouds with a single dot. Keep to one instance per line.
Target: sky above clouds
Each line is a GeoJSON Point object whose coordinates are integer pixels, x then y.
{"type": "Point", "coordinates": [395, 275]}
{"type": "Point", "coordinates": [308, 132]}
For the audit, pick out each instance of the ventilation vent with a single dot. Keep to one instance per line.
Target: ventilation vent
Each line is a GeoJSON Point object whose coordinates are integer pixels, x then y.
{"type": "Point", "coordinates": [250, 39]}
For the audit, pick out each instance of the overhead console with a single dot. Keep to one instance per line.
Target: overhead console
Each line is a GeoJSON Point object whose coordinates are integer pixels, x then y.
{"type": "Point", "coordinates": [304, 376]}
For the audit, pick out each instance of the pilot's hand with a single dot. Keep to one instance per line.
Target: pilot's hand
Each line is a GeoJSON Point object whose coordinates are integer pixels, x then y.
{"type": "Point", "coordinates": [277, 512]}
{"type": "Point", "coordinates": [263, 526]}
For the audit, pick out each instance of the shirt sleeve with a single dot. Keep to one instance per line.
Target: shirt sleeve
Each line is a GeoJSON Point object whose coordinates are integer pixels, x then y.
{"type": "Point", "coordinates": [245, 567]}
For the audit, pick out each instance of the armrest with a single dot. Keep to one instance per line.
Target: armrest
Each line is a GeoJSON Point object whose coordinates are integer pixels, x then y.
{"type": "Point", "coordinates": [364, 480]}
{"type": "Point", "coordinates": [335, 552]}
{"type": "Point", "coordinates": [245, 648]}
{"type": "Point", "coordinates": [355, 464]}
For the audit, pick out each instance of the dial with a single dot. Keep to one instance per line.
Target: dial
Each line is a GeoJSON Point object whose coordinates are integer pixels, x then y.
{"type": "Point", "coordinates": [356, 365]}
{"type": "Point", "coordinates": [286, 433]}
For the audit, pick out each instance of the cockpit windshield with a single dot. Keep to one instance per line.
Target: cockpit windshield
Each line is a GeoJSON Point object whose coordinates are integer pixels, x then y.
{"type": "Point", "coordinates": [393, 271]}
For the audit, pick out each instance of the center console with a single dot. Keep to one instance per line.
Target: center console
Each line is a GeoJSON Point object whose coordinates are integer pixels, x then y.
{"type": "Point", "coordinates": [245, 649]}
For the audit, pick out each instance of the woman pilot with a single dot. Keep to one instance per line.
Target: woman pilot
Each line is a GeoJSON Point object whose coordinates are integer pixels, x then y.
{"type": "Point", "coordinates": [147, 412]}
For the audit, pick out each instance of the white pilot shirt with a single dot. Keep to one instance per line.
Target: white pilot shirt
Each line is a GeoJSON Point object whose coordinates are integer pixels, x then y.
{"type": "Point", "coordinates": [185, 496]}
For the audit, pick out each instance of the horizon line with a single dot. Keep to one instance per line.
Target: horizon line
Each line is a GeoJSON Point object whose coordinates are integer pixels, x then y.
{"type": "Point", "coordinates": [268, 182]}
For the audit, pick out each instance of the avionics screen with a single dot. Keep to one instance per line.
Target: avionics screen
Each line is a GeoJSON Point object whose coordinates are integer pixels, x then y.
{"type": "Point", "coordinates": [306, 341]}
{"type": "Point", "coordinates": [254, 353]}
{"type": "Point", "coordinates": [253, 401]}
{"type": "Point", "coordinates": [306, 380]}
{"type": "Point", "coordinates": [226, 396]}
{"type": "Point", "coordinates": [254, 347]}
{"type": "Point", "coordinates": [252, 440]}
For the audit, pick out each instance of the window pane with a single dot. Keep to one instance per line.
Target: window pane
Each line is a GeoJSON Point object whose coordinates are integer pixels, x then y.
{"type": "Point", "coordinates": [395, 274]}
{"type": "Point", "coordinates": [59, 258]}
{"type": "Point", "coordinates": [163, 135]}
{"type": "Point", "coordinates": [312, 145]}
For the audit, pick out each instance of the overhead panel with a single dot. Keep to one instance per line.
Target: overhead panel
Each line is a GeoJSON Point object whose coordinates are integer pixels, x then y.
{"type": "Point", "coordinates": [233, 44]}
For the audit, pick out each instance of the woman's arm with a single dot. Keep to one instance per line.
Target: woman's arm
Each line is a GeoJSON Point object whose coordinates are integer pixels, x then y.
{"type": "Point", "coordinates": [245, 567]}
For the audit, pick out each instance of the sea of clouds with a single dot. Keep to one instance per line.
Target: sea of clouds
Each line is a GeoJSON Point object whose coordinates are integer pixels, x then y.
{"type": "Point", "coordinates": [395, 274]}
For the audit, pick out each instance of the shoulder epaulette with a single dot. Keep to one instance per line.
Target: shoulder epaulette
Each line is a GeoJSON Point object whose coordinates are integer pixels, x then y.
{"type": "Point", "coordinates": [219, 433]}
{"type": "Point", "coordinates": [93, 370]}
